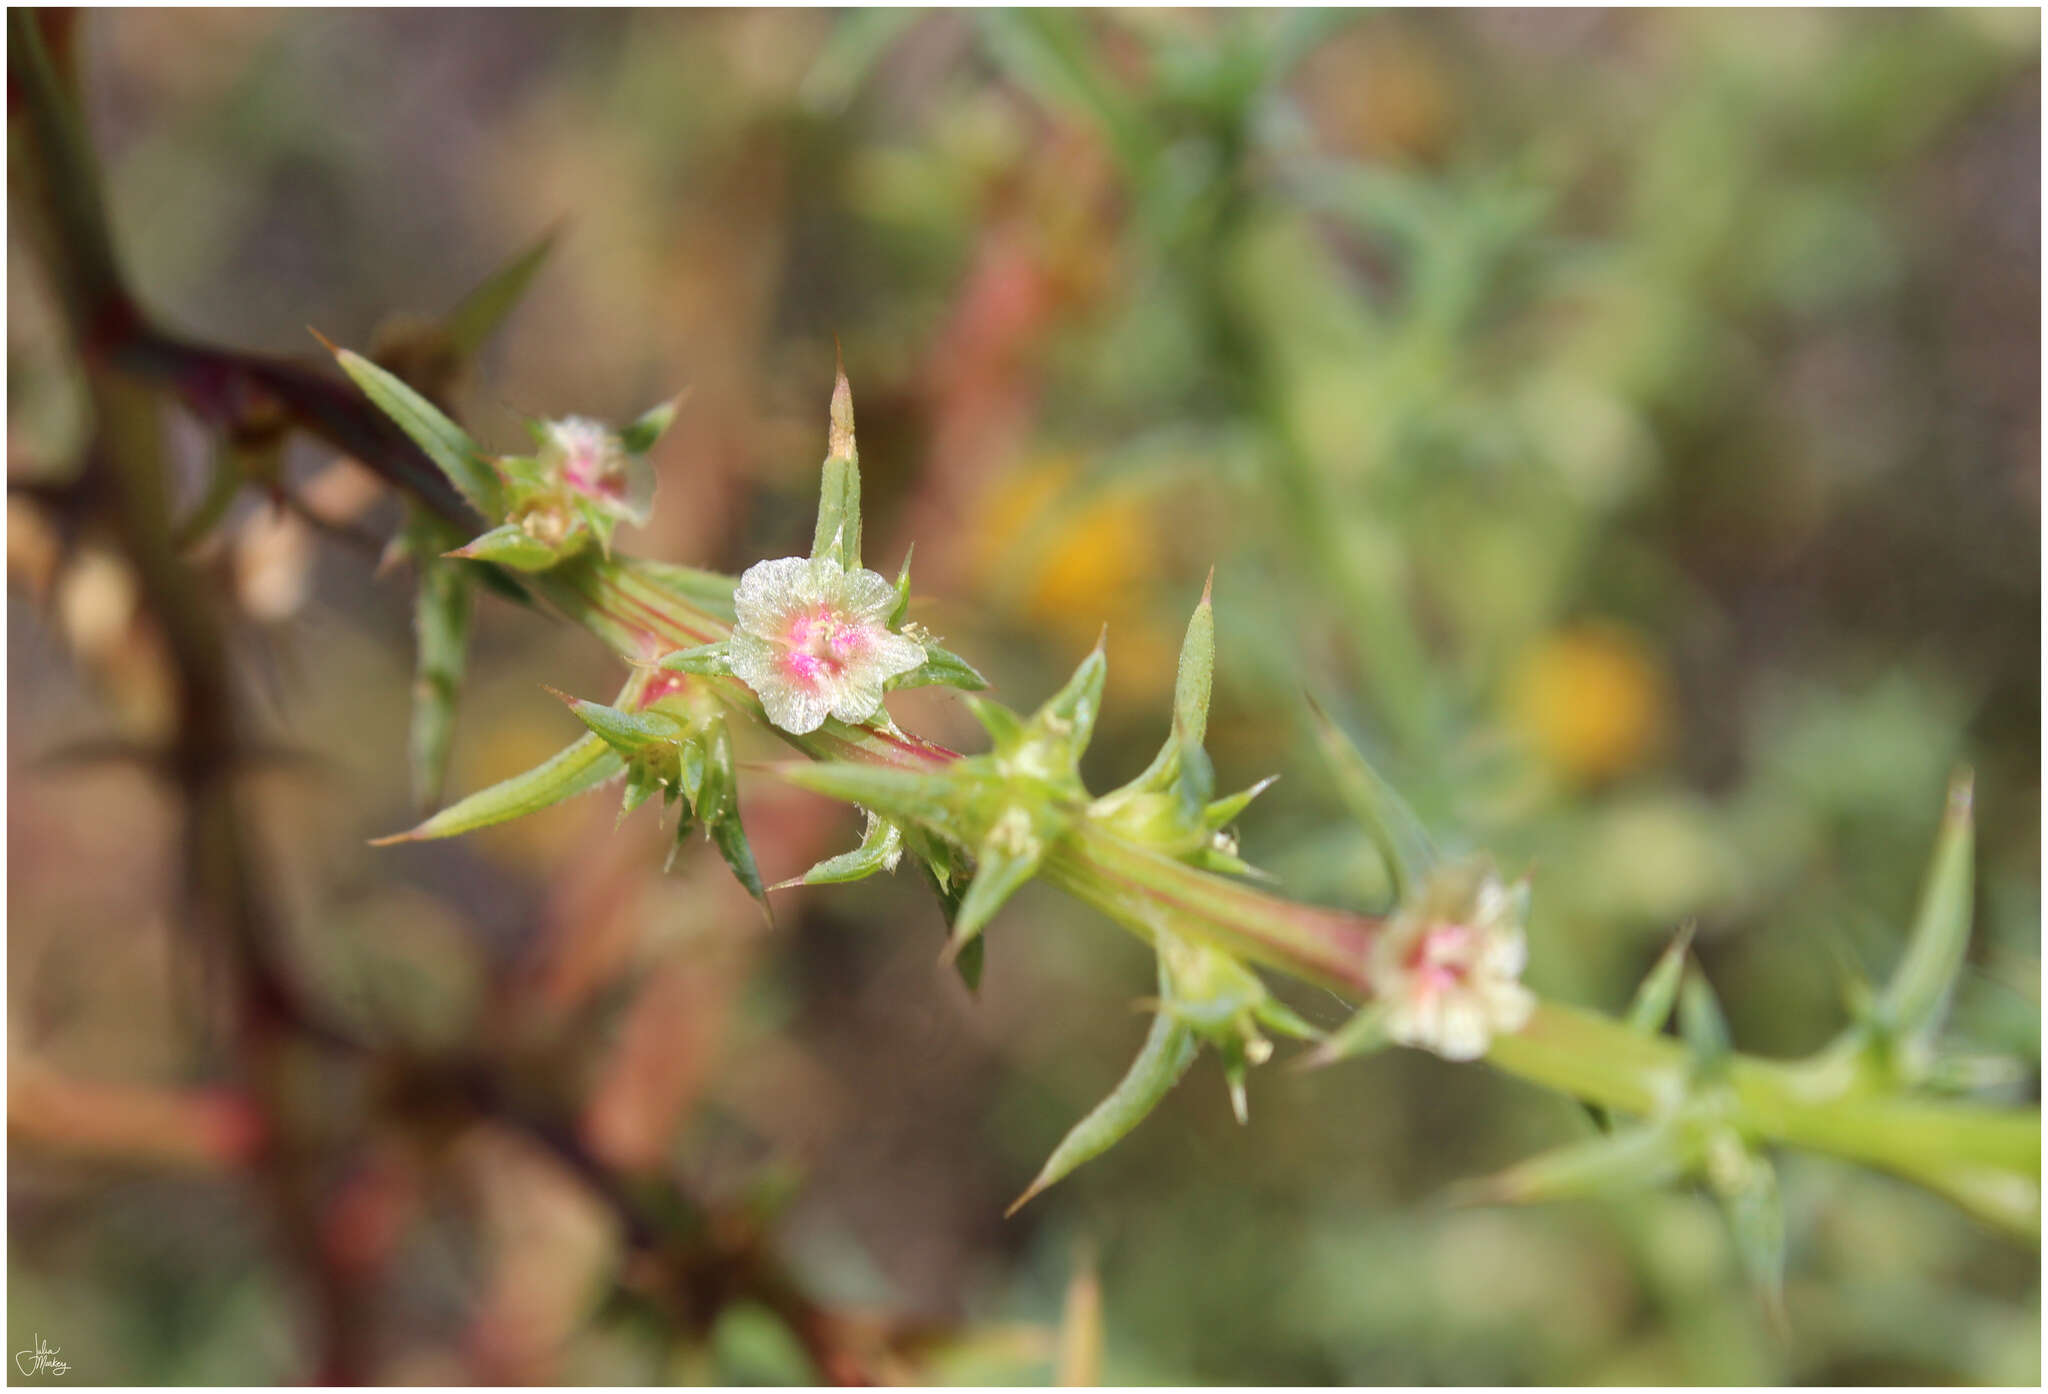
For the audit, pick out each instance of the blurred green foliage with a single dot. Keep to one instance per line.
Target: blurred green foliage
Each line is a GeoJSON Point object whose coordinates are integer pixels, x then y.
{"type": "Point", "coordinates": [1625, 424]}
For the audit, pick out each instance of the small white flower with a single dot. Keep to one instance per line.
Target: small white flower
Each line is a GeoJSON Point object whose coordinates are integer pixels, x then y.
{"type": "Point", "coordinates": [587, 457]}
{"type": "Point", "coordinates": [813, 640]}
{"type": "Point", "coordinates": [1449, 966]}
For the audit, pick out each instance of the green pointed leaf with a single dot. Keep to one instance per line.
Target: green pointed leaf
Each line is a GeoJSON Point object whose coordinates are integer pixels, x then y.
{"type": "Point", "coordinates": [1702, 1026]}
{"type": "Point", "coordinates": [1393, 827]}
{"type": "Point", "coordinates": [1653, 1001]}
{"type": "Point", "coordinates": [1010, 857]}
{"type": "Point", "coordinates": [1071, 712]}
{"type": "Point", "coordinates": [1224, 811]}
{"type": "Point", "coordinates": [1636, 1158]}
{"type": "Point", "coordinates": [690, 772]}
{"type": "Point", "coordinates": [1916, 999]}
{"type": "Point", "coordinates": [838, 532]}
{"type": "Point", "coordinates": [1364, 1034]}
{"type": "Point", "coordinates": [577, 770]}
{"type": "Point", "coordinates": [937, 861]}
{"type": "Point", "coordinates": [708, 590]}
{"type": "Point", "coordinates": [1197, 672]}
{"type": "Point", "coordinates": [945, 802]}
{"type": "Point", "coordinates": [445, 443]}
{"type": "Point", "coordinates": [901, 612]}
{"type": "Point", "coordinates": [441, 629]}
{"type": "Point", "coordinates": [471, 323]}
{"type": "Point", "coordinates": [639, 436]}
{"type": "Point", "coordinates": [1276, 1015]}
{"type": "Point", "coordinates": [881, 848]}
{"type": "Point", "coordinates": [629, 733]}
{"type": "Point", "coordinates": [508, 544]}
{"type": "Point", "coordinates": [706, 660]}
{"type": "Point", "coordinates": [719, 797]}
{"type": "Point", "coordinates": [943, 668]}
{"type": "Point", "coordinates": [1756, 1222]}
{"type": "Point", "coordinates": [641, 781]}
{"type": "Point", "coordinates": [1196, 783]}
{"type": "Point", "coordinates": [1168, 1051]}
{"type": "Point", "coordinates": [731, 841]}
{"type": "Point", "coordinates": [1004, 726]}
{"type": "Point", "coordinates": [1192, 682]}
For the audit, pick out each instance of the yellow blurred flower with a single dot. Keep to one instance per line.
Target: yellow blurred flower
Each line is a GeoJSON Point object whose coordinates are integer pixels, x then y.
{"type": "Point", "coordinates": [1067, 559]}
{"type": "Point", "coordinates": [1593, 700]}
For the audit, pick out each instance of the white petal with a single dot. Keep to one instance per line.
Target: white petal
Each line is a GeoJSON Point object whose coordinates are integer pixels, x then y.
{"type": "Point", "coordinates": [1510, 1005]}
{"type": "Point", "coordinates": [753, 660]}
{"type": "Point", "coordinates": [792, 708]}
{"type": "Point", "coordinates": [893, 654]}
{"type": "Point", "coordinates": [858, 696]}
{"type": "Point", "coordinates": [1506, 954]}
{"type": "Point", "coordinates": [768, 590]}
{"type": "Point", "coordinates": [1462, 1034]}
{"type": "Point", "coordinates": [868, 595]}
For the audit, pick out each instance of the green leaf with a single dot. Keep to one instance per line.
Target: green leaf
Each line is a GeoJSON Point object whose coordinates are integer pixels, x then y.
{"type": "Point", "coordinates": [1004, 726]}
{"type": "Point", "coordinates": [1365, 1033]}
{"type": "Point", "coordinates": [731, 841]}
{"type": "Point", "coordinates": [719, 796]}
{"type": "Point", "coordinates": [1224, 811]}
{"type": "Point", "coordinates": [1276, 1015]}
{"type": "Point", "coordinates": [1747, 1186]}
{"type": "Point", "coordinates": [641, 781]}
{"type": "Point", "coordinates": [445, 443]}
{"type": "Point", "coordinates": [1702, 1026]}
{"type": "Point", "coordinates": [629, 733]}
{"type": "Point", "coordinates": [943, 668]}
{"type": "Point", "coordinates": [1007, 859]}
{"type": "Point", "coordinates": [901, 612]}
{"type": "Point", "coordinates": [1636, 1158]}
{"type": "Point", "coordinates": [1169, 1049]}
{"type": "Point", "coordinates": [1653, 1001]}
{"type": "Point", "coordinates": [639, 436]}
{"type": "Point", "coordinates": [577, 770]}
{"type": "Point", "coordinates": [472, 322]}
{"type": "Point", "coordinates": [1196, 674]}
{"type": "Point", "coordinates": [838, 531]}
{"type": "Point", "coordinates": [508, 544]}
{"type": "Point", "coordinates": [881, 848]}
{"type": "Point", "coordinates": [441, 615]}
{"type": "Point", "coordinates": [950, 804]}
{"type": "Point", "coordinates": [712, 660]}
{"type": "Point", "coordinates": [936, 860]}
{"type": "Point", "coordinates": [1916, 999]}
{"type": "Point", "coordinates": [1393, 827]}
{"type": "Point", "coordinates": [1070, 713]}
{"type": "Point", "coordinates": [708, 590]}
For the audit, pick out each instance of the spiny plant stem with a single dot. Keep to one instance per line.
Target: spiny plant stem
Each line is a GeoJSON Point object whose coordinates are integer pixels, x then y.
{"type": "Point", "coordinates": [1983, 1158]}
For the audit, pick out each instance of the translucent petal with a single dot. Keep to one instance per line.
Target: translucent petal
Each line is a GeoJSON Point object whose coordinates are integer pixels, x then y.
{"type": "Point", "coordinates": [753, 658]}
{"type": "Point", "coordinates": [768, 590]}
{"type": "Point", "coordinates": [896, 653]}
{"type": "Point", "coordinates": [858, 696]}
{"type": "Point", "coordinates": [868, 596]}
{"type": "Point", "coordinates": [792, 708]}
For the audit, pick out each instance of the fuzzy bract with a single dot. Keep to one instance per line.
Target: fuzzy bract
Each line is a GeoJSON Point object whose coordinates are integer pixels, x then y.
{"type": "Point", "coordinates": [813, 640]}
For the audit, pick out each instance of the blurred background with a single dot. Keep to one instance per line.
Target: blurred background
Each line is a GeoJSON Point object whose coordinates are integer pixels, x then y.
{"type": "Point", "coordinates": [1626, 424]}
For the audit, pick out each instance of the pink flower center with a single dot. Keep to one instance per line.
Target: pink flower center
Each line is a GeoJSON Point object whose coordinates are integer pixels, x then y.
{"type": "Point", "coordinates": [821, 643]}
{"type": "Point", "coordinates": [588, 471]}
{"type": "Point", "coordinates": [1441, 960]}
